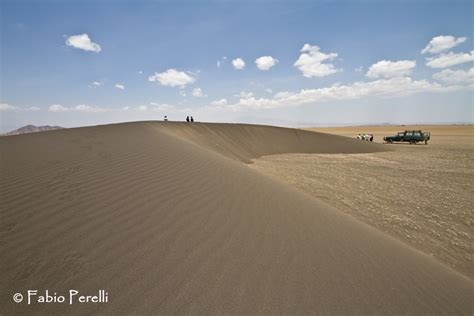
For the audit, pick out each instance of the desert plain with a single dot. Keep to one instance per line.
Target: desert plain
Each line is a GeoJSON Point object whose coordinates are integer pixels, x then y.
{"type": "Point", "coordinates": [420, 194]}
{"type": "Point", "coordinates": [201, 218]}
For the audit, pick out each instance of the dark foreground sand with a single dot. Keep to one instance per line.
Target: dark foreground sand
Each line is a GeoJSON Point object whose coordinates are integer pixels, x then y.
{"type": "Point", "coordinates": [168, 218]}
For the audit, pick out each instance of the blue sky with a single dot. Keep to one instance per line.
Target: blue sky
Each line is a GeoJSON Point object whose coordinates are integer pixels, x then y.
{"type": "Point", "coordinates": [75, 63]}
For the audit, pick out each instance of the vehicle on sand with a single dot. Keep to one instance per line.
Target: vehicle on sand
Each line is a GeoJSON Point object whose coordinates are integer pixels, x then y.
{"type": "Point", "coordinates": [409, 136]}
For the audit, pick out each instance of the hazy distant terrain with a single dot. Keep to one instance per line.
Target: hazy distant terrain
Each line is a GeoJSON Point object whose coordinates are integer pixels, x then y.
{"type": "Point", "coordinates": [32, 129]}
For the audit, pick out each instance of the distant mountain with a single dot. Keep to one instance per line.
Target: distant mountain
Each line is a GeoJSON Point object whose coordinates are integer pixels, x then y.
{"type": "Point", "coordinates": [32, 129]}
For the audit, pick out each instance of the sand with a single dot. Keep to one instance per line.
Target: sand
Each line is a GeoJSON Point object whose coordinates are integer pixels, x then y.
{"type": "Point", "coordinates": [439, 132]}
{"type": "Point", "coordinates": [420, 194]}
{"type": "Point", "coordinates": [169, 218]}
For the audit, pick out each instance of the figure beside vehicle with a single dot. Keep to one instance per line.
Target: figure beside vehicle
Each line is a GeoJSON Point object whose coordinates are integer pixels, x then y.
{"type": "Point", "coordinates": [366, 137]}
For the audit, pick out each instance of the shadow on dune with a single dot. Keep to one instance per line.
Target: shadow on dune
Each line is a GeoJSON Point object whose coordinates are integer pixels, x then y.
{"type": "Point", "coordinates": [245, 142]}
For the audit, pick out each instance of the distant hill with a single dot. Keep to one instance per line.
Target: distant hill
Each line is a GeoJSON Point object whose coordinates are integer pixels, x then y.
{"type": "Point", "coordinates": [32, 129]}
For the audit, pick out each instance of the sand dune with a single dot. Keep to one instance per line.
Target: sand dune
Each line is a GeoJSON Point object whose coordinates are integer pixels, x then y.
{"type": "Point", "coordinates": [245, 142]}
{"type": "Point", "coordinates": [167, 219]}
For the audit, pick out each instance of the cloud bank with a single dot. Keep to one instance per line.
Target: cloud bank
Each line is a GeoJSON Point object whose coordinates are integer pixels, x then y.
{"type": "Point", "coordinates": [385, 88]}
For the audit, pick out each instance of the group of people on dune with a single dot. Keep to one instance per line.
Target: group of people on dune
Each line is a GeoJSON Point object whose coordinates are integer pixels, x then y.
{"type": "Point", "coordinates": [188, 118]}
{"type": "Point", "coordinates": [366, 137]}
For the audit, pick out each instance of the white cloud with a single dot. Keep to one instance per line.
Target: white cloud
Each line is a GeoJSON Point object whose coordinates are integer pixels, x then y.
{"type": "Point", "coordinates": [7, 107]}
{"type": "Point", "coordinates": [154, 106]}
{"type": "Point", "coordinates": [390, 69]}
{"type": "Point", "coordinates": [82, 41]}
{"type": "Point", "coordinates": [386, 88]}
{"type": "Point", "coordinates": [310, 62]}
{"type": "Point", "coordinates": [140, 72]}
{"type": "Point", "coordinates": [244, 95]}
{"type": "Point", "coordinates": [57, 108]}
{"type": "Point", "coordinates": [172, 78]}
{"type": "Point", "coordinates": [182, 93]}
{"type": "Point", "coordinates": [219, 103]}
{"type": "Point", "coordinates": [88, 109]}
{"type": "Point", "coordinates": [96, 84]}
{"type": "Point", "coordinates": [197, 92]}
{"type": "Point", "coordinates": [455, 76]}
{"type": "Point", "coordinates": [77, 108]}
{"type": "Point", "coordinates": [268, 90]}
{"type": "Point", "coordinates": [222, 61]}
{"type": "Point", "coordinates": [120, 86]}
{"type": "Point", "coordinates": [163, 107]}
{"type": "Point", "coordinates": [359, 69]}
{"type": "Point", "coordinates": [254, 103]}
{"type": "Point", "coordinates": [449, 59]}
{"type": "Point", "coordinates": [265, 62]}
{"type": "Point", "coordinates": [238, 63]}
{"type": "Point", "coordinates": [442, 43]}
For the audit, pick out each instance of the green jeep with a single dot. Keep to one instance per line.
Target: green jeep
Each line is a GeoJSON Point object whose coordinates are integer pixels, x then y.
{"type": "Point", "coordinates": [409, 136]}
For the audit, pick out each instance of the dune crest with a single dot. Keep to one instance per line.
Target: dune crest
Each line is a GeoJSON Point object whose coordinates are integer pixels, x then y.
{"type": "Point", "coordinates": [245, 142]}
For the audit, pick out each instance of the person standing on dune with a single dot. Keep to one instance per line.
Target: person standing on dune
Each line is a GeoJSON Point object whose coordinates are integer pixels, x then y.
{"type": "Point", "coordinates": [192, 120]}
{"type": "Point", "coordinates": [187, 119]}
